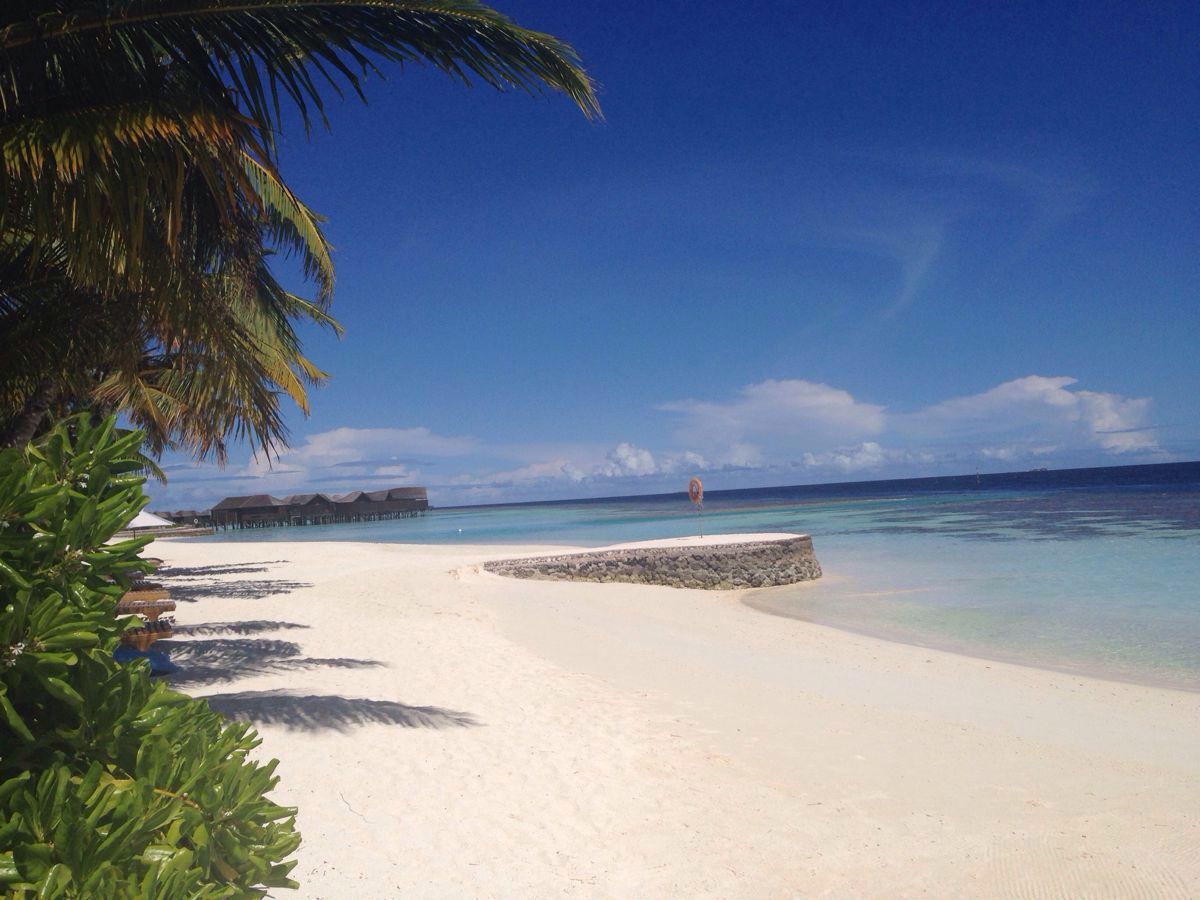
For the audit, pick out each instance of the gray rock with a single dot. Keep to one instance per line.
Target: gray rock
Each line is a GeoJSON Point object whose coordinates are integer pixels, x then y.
{"type": "Point", "coordinates": [714, 567]}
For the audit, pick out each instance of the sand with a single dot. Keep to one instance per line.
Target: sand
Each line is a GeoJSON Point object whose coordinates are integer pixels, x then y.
{"type": "Point", "coordinates": [447, 732]}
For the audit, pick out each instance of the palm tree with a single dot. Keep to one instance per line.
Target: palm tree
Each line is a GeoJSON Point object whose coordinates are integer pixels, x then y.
{"type": "Point", "coordinates": [65, 350]}
{"type": "Point", "coordinates": [194, 357]}
{"type": "Point", "coordinates": [140, 198]}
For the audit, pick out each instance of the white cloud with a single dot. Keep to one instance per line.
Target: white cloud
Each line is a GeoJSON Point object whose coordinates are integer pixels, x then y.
{"type": "Point", "coordinates": [741, 454]}
{"type": "Point", "coordinates": [350, 458]}
{"type": "Point", "coordinates": [867, 455]}
{"type": "Point", "coordinates": [365, 448]}
{"type": "Point", "coordinates": [548, 470]}
{"type": "Point", "coordinates": [399, 472]}
{"type": "Point", "coordinates": [1048, 197]}
{"type": "Point", "coordinates": [912, 246]}
{"type": "Point", "coordinates": [826, 428]}
{"type": "Point", "coordinates": [1035, 411]}
{"type": "Point", "coordinates": [775, 431]}
{"type": "Point", "coordinates": [336, 460]}
{"type": "Point", "coordinates": [905, 219]}
{"type": "Point", "coordinates": [773, 418]}
{"type": "Point", "coordinates": [625, 460]}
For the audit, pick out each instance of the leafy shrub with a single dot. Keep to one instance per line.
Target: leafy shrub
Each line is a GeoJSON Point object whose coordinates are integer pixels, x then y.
{"type": "Point", "coordinates": [111, 785]}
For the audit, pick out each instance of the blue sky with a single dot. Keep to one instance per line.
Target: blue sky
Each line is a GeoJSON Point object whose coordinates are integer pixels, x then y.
{"type": "Point", "coordinates": [805, 245]}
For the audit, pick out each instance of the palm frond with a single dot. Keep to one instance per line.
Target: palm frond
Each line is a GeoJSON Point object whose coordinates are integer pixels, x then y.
{"type": "Point", "coordinates": [297, 45]}
{"type": "Point", "coordinates": [113, 187]}
{"type": "Point", "coordinates": [292, 224]}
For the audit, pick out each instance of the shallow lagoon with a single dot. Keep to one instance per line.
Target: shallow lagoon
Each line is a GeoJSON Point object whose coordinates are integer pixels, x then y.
{"type": "Point", "coordinates": [1101, 577]}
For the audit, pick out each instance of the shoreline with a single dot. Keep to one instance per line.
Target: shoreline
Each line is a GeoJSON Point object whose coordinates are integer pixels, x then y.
{"type": "Point", "coordinates": [760, 603]}
{"type": "Point", "coordinates": [444, 730]}
{"type": "Point", "coordinates": [760, 600]}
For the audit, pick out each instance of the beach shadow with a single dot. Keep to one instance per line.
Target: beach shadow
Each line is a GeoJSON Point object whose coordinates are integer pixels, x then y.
{"type": "Point", "coordinates": [202, 662]}
{"type": "Point", "coordinates": [243, 589]}
{"type": "Point", "coordinates": [225, 569]}
{"type": "Point", "coordinates": [316, 712]}
{"type": "Point", "coordinates": [256, 626]}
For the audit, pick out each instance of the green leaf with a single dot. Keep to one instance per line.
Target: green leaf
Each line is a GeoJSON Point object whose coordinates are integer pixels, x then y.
{"type": "Point", "coordinates": [63, 691]}
{"type": "Point", "coordinates": [8, 869]}
{"type": "Point", "coordinates": [13, 575]}
{"type": "Point", "coordinates": [54, 882]}
{"type": "Point", "coordinates": [15, 722]}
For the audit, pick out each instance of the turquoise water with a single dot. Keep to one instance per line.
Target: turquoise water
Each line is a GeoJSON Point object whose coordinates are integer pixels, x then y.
{"type": "Point", "coordinates": [1097, 578]}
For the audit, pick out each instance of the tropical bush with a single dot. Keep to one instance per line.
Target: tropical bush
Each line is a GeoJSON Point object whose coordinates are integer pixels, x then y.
{"type": "Point", "coordinates": [111, 785]}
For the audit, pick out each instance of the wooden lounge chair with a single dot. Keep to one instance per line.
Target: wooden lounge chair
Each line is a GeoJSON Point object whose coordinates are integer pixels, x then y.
{"type": "Point", "coordinates": [147, 609]}
{"type": "Point", "coordinates": [146, 591]}
{"type": "Point", "coordinates": [148, 600]}
{"type": "Point", "coordinates": [142, 638]}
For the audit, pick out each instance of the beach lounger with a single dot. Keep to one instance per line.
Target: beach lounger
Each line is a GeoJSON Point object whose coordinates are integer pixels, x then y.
{"type": "Point", "coordinates": [146, 591]}
{"type": "Point", "coordinates": [142, 638]}
{"type": "Point", "coordinates": [148, 600]}
{"type": "Point", "coordinates": [148, 609]}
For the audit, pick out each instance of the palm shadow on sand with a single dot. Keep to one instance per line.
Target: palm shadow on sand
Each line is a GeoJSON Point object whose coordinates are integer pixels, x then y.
{"type": "Point", "coordinates": [316, 712]}
{"type": "Point", "coordinates": [243, 589]}
{"type": "Point", "coordinates": [252, 626]}
{"type": "Point", "coordinates": [211, 661]}
{"type": "Point", "coordinates": [223, 652]}
{"type": "Point", "coordinates": [169, 571]}
{"type": "Point", "coordinates": [189, 584]}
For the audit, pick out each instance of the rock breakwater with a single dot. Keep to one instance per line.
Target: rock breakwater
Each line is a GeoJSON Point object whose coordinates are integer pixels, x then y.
{"type": "Point", "coordinates": [711, 566]}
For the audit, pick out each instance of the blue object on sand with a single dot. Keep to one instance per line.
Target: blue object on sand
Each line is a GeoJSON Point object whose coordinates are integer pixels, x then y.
{"type": "Point", "coordinates": [160, 664]}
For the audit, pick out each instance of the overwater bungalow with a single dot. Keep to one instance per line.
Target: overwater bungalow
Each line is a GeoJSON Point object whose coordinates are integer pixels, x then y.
{"type": "Point", "coordinates": [263, 510]}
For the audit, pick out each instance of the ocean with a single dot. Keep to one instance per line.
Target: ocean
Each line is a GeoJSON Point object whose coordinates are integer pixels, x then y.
{"type": "Point", "coordinates": [1094, 571]}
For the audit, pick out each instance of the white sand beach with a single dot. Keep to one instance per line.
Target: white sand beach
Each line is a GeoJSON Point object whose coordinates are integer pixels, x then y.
{"type": "Point", "coordinates": [446, 732]}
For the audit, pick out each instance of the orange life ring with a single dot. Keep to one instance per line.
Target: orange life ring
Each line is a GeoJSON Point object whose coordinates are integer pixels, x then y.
{"type": "Point", "coordinates": [696, 491]}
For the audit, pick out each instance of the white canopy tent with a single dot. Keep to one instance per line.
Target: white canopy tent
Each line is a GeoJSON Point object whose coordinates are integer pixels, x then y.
{"type": "Point", "coordinates": [149, 520]}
